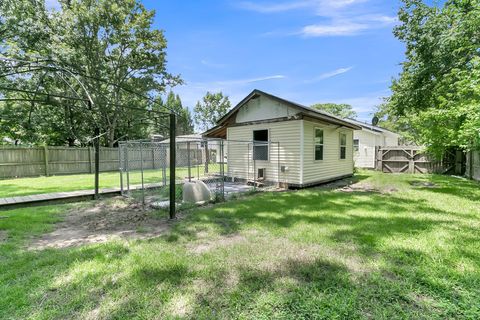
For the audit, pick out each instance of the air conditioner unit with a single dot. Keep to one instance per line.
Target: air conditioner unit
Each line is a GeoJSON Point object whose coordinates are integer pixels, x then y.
{"type": "Point", "coordinates": [261, 173]}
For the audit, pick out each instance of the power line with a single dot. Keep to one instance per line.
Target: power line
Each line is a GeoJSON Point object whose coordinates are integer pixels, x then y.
{"type": "Point", "coordinates": [76, 72]}
{"type": "Point", "coordinates": [65, 97]}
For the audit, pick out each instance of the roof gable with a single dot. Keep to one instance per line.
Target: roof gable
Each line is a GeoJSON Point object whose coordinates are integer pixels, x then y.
{"type": "Point", "coordinates": [293, 109]}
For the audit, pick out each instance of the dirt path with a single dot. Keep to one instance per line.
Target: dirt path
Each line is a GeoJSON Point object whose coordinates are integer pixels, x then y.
{"type": "Point", "coordinates": [107, 219]}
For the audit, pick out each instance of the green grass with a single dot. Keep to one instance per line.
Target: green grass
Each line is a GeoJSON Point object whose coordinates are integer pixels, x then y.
{"type": "Point", "coordinates": [39, 185]}
{"type": "Point", "coordinates": [412, 253]}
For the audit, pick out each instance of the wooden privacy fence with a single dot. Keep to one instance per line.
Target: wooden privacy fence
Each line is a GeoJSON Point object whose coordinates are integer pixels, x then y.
{"type": "Point", "coordinates": [412, 159]}
{"type": "Point", "coordinates": [18, 162]}
{"type": "Point", "coordinates": [44, 161]}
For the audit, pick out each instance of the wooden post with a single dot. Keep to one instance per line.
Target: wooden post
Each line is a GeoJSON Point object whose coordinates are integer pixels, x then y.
{"type": "Point", "coordinates": [379, 159]}
{"type": "Point", "coordinates": [411, 163]}
{"type": "Point", "coordinates": [45, 157]}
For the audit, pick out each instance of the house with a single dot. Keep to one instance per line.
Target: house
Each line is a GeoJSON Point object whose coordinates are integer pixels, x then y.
{"type": "Point", "coordinates": [290, 143]}
{"type": "Point", "coordinates": [366, 140]}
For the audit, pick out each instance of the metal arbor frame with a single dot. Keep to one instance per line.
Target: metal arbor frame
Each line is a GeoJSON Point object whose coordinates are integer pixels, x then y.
{"type": "Point", "coordinates": [14, 67]}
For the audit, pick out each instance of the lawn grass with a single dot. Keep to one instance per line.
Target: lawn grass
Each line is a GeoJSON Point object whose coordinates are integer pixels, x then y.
{"type": "Point", "coordinates": [409, 252]}
{"type": "Point", "coordinates": [64, 183]}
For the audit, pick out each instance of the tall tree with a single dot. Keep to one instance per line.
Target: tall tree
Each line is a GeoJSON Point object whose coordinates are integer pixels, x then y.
{"type": "Point", "coordinates": [212, 107]}
{"type": "Point", "coordinates": [437, 91]}
{"type": "Point", "coordinates": [341, 110]}
{"type": "Point", "coordinates": [184, 118]}
{"type": "Point", "coordinates": [109, 44]}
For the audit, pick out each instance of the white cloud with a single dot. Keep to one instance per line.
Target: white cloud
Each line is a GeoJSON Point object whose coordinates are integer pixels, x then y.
{"type": "Point", "coordinates": [236, 89]}
{"type": "Point", "coordinates": [274, 7]}
{"type": "Point", "coordinates": [319, 6]}
{"type": "Point", "coordinates": [333, 29]}
{"type": "Point", "coordinates": [208, 63]}
{"type": "Point", "coordinates": [247, 81]}
{"type": "Point", "coordinates": [343, 17]}
{"type": "Point", "coordinates": [329, 74]}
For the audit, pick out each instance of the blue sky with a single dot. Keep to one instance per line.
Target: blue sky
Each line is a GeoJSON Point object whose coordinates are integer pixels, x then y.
{"type": "Point", "coordinates": [307, 51]}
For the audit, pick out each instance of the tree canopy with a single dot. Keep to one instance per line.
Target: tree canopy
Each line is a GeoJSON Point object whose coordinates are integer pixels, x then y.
{"type": "Point", "coordinates": [341, 110]}
{"type": "Point", "coordinates": [113, 47]}
{"type": "Point", "coordinates": [212, 107]}
{"type": "Point", "coordinates": [437, 94]}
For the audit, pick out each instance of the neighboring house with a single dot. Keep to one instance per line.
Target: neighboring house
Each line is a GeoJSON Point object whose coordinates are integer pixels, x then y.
{"type": "Point", "coordinates": [196, 143]}
{"type": "Point", "coordinates": [313, 146]}
{"type": "Point", "coordinates": [366, 140]}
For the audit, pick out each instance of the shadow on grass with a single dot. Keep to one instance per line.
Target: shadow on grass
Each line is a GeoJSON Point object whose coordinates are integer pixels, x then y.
{"type": "Point", "coordinates": [447, 185]}
{"type": "Point", "coordinates": [294, 288]}
{"type": "Point", "coordinates": [389, 214]}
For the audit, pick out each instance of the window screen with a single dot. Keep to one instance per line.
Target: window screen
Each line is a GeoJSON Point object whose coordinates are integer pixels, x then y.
{"type": "Point", "coordinates": [318, 144]}
{"type": "Point", "coordinates": [343, 146]}
{"type": "Point", "coordinates": [260, 145]}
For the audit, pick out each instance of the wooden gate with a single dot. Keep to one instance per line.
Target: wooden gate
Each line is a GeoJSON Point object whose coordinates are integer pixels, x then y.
{"type": "Point", "coordinates": [412, 159]}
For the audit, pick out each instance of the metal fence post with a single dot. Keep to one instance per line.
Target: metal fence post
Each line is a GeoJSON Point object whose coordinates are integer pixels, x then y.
{"type": "Point", "coordinates": [189, 162]}
{"type": "Point", "coordinates": [97, 161]}
{"type": "Point", "coordinates": [141, 173]}
{"type": "Point", "coordinates": [163, 150]}
{"type": "Point", "coordinates": [254, 167]}
{"type": "Point", "coordinates": [127, 164]}
{"type": "Point", "coordinates": [172, 165]}
{"type": "Point", "coordinates": [278, 164]}
{"type": "Point", "coordinates": [197, 163]}
{"type": "Point", "coordinates": [120, 167]}
{"type": "Point", "coordinates": [222, 169]}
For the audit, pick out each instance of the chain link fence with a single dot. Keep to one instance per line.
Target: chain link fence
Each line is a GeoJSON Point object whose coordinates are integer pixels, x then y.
{"type": "Point", "coordinates": [205, 170]}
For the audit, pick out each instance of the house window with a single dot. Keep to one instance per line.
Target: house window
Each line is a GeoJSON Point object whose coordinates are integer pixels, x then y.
{"type": "Point", "coordinates": [260, 145]}
{"type": "Point", "coordinates": [356, 145]}
{"type": "Point", "coordinates": [343, 146]}
{"type": "Point", "coordinates": [318, 144]}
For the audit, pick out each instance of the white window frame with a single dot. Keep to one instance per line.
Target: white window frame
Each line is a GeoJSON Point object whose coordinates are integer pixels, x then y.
{"type": "Point", "coordinates": [315, 144]}
{"type": "Point", "coordinates": [267, 143]}
{"type": "Point", "coordinates": [340, 145]}
{"type": "Point", "coordinates": [357, 146]}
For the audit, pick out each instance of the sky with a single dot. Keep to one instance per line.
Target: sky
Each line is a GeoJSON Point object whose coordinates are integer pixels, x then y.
{"type": "Point", "coordinates": [307, 51]}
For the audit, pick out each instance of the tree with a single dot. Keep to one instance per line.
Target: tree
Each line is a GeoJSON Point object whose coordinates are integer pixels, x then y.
{"type": "Point", "coordinates": [341, 110]}
{"type": "Point", "coordinates": [437, 92]}
{"type": "Point", "coordinates": [212, 107]}
{"type": "Point", "coordinates": [184, 123]}
{"type": "Point", "coordinates": [110, 44]}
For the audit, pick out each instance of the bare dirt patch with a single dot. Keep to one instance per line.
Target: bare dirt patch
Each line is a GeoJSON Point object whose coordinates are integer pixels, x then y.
{"type": "Point", "coordinates": [425, 184]}
{"type": "Point", "coordinates": [3, 236]}
{"type": "Point", "coordinates": [107, 219]}
{"type": "Point", "coordinates": [226, 241]}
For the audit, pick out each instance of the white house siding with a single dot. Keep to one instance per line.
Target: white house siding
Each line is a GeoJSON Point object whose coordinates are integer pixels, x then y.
{"type": "Point", "coordinates": [263, 108]}
{"type": "Point", "coordinates": [239, 158]}
{"type": "Point", "coordinates": [365, 156]}
{"type": "Point", "coordinates": [391, 139]}
{"type": "Point", "coordinates": [368, 140]}
{"type": "Point", "coordinates": [331, 166]}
